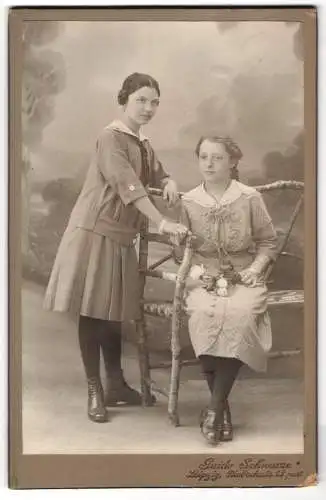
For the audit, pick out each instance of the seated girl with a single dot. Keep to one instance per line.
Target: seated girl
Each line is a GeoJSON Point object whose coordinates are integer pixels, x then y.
{"type": "Point", "coordinates": [234, 241]}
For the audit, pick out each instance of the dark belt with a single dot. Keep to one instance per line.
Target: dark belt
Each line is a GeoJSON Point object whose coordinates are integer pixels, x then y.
{"type": "Point", "coordinates": [114, 230]}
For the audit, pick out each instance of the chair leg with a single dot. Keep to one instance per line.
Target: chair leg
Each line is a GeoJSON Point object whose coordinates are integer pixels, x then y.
{"type": "Point", "coordinates": [143, 355]}
{"type": "Point", "coordinates": [147, 398]}
{"type": "Point", "coordinates": [175, 333]}
{"type": "Point", "coordinates": [174, 391]}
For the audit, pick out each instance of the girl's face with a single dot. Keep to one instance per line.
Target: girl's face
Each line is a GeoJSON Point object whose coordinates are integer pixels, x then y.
{"type": "Point", "coordinates": [142, 105]}
{"type": "Point", "coordinates": [214, 162]}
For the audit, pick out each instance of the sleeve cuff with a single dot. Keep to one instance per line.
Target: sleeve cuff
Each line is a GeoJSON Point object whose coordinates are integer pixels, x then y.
{"type": "Point", "coordinates": [267, 252]}
{"type": "Point", "coordinates": [132, 193]}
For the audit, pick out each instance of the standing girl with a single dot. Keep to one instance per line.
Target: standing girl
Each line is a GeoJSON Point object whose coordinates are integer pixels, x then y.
{"type": "Point", "coordinates": [95, 273]}
{"type": "Point", "coordinates": [234, 242]}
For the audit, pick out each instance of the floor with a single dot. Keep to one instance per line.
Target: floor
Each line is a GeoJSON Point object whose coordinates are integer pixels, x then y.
{"type": "Point", "coordinates": [267, 413]}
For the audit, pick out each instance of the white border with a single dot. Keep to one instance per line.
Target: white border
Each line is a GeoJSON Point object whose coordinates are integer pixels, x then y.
{"type": "Point", "coordinates": [289, 493]}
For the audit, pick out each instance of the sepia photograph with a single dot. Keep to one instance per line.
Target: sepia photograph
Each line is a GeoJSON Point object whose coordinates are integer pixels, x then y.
{"type": "Point", "coordinates": [162, 238]}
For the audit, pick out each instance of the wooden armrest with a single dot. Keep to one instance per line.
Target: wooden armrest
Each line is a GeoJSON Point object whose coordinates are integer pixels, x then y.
{"type": "Point", "coordinates": [283, 297]}
{"type": "Point", "coordinates": [162, 275]}
{"type": "Point", "coordinates": [158, 238]}
{"type": "Point", "coordinates": [296, 185]}
{"type": "Point", "coordinates": [277, 298]}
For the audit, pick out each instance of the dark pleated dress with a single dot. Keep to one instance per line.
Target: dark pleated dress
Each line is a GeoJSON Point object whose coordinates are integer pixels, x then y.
{"type": "Point", "coordinates": [95, 272]}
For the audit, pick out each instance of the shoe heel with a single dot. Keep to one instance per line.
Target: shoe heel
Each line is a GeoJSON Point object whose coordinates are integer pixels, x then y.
{"type": "Point", "coordinates": [227, 427]}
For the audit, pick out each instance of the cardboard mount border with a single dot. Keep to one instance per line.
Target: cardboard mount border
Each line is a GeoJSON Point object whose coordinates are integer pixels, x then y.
{"type": "Point", "coordinates": [64, 471]}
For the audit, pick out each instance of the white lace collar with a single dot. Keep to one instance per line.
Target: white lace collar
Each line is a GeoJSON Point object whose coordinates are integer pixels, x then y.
{"type": "Point", "coordinates": [233, 192]}
{"type": "Point", "coordinates": [119, 125]}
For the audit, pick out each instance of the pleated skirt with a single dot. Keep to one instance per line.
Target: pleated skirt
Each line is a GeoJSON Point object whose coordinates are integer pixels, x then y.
{"type": "Point", "coordinates": [94, 276]}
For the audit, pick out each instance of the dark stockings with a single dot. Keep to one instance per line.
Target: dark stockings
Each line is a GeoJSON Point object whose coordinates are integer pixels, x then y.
{"type": "Point", "coordinates": [112, 348]}
{"type": "Point", "coordinates": [95, 334]}
{"type": "Point", "coordinates": [220, 374]}
{"type": "Point", "coordinates": [89, 346]}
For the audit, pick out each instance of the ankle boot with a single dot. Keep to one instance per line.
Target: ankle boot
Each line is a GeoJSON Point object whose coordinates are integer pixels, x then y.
{"type": "Point", "coordinates": [117, 391]}
{"type": "Point", "coordinates": [96, 409]}
{"type": "Point", "coordinates": [209, 428]}
{"type": "Point", "coordinates": [227, 428]}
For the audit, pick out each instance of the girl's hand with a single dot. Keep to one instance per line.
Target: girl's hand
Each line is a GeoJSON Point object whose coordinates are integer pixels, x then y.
{"type": "Point", "coordinates": [175, 230]}
{"type": "Point", "coordinates": [170, 193]}
{"type": "Point", "coordinates": [197, 271]}
{"type": "Point", "coordinates": [194, 277]}
{"type": "Point", "coordinates": [193, 283]}
{"type": "Point", "coordinates": [249, 277]}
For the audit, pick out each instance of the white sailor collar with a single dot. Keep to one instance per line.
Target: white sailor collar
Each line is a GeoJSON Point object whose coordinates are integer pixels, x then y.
{"type": "Point", "coordinates": [233, 192]}
{"type": "Point", "coordinates": [119, 125]}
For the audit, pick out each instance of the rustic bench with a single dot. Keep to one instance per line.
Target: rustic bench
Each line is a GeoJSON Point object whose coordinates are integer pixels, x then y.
{"type": "Point", "coordinates": [173, 309]}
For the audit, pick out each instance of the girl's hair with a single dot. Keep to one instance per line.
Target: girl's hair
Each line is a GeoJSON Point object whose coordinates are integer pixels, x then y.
{"type": "Point", "coordinates": [135, 82]}
{"type": "Point", "coordinates": [231, 148]}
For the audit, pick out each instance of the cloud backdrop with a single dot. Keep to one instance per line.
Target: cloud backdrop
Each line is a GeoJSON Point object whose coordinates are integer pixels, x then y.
{"type": "Point", "coordinates": [242, 78]}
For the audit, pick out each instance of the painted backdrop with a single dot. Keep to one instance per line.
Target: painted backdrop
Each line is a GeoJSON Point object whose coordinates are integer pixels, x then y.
{"type": "Point", "coordinates": [244, 79]}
